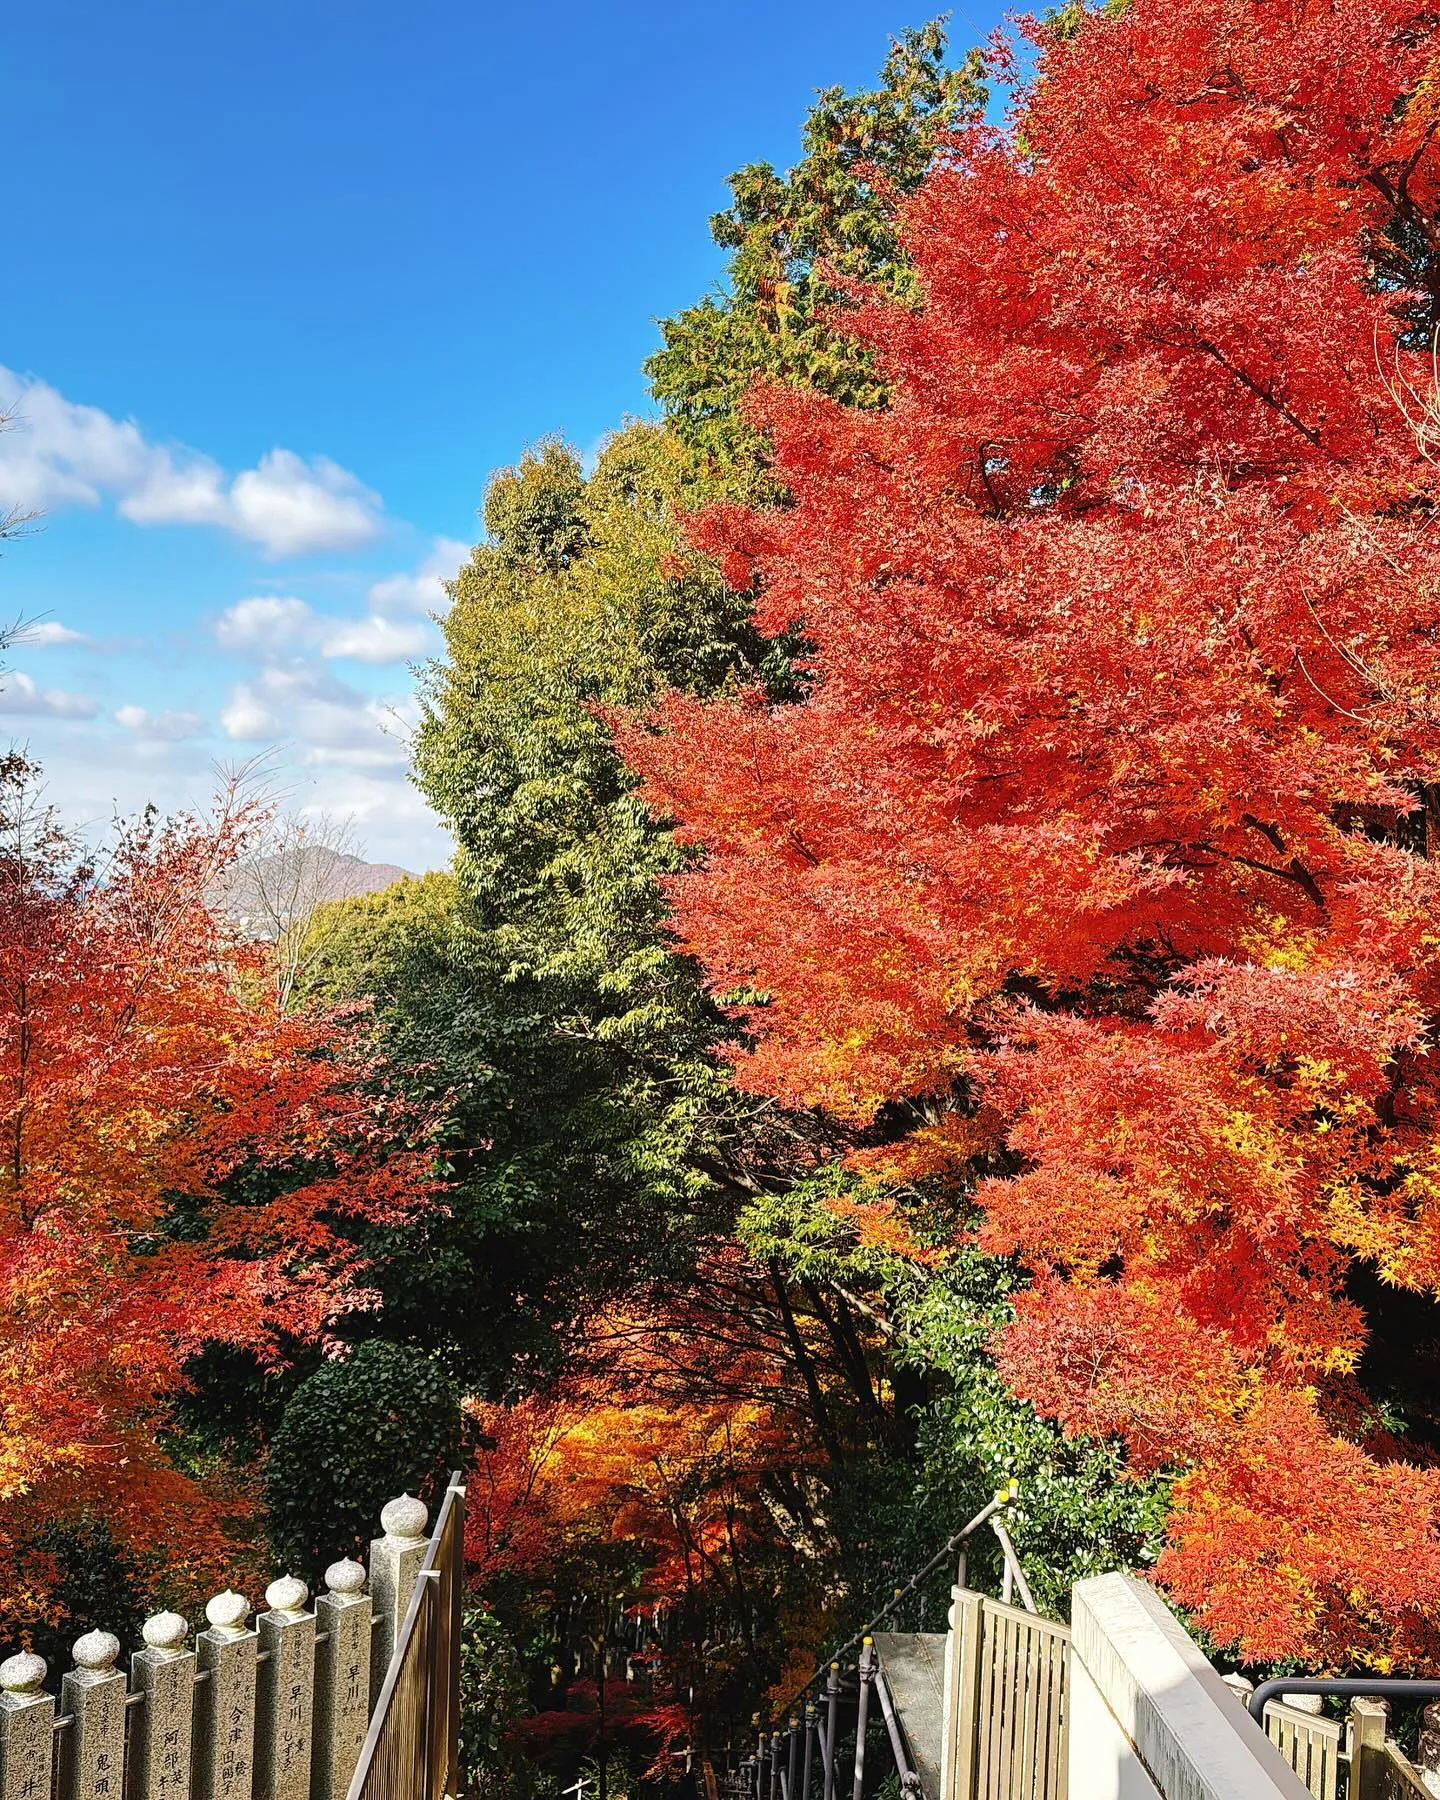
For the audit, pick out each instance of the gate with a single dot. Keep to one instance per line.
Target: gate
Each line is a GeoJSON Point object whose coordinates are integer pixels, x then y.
{"type": "Point", "coordinates": [978, 1713]}
{"type": "Point", "coordinates": [1351, 1760]}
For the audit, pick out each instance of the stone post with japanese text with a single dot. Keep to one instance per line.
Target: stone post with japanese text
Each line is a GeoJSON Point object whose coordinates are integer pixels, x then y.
{"type": "Point", "coordinates": [225, 1717]}
{"type": "Point", "coordinates": [92, 1753]}
{"type": "Point", "coordinates": [164, 1672]}
{"type": "Point", "coordinates": [286, 1693]}
{"type": "Point", "coordinates": [27, 1729]}
{"type": "Point", "coordinates": [342, 1679]}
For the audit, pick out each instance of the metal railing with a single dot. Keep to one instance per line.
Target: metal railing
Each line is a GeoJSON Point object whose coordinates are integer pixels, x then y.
{"type": "Point", "coordinates": [1353, 1759]}
{"type": "Point", "coordinates": [953, 1551]}
{"type": "Point", "coordinates": [412, 1749]}
{"type": "Point", "coordinates": [1005, 1664]}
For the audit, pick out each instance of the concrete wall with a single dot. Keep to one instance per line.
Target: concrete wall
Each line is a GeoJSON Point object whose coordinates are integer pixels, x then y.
{"type": "Point", "coordinates": [1149, 1718]}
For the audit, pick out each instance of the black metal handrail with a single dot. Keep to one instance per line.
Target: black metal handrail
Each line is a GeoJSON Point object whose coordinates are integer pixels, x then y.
{"type": "Point", "coordinates": [1345, 1687]}
{"type": "Point", "coordinates": [774, 1772]}
{"type": "Point", "coordinates": [947, 1552]}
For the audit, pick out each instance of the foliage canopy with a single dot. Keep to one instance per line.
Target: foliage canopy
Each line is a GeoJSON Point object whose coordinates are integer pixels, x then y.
{"type": "Point", "coordinates": [1096, 873]}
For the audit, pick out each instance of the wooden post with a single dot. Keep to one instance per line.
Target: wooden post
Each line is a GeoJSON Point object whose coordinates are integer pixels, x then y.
{"type": "Point", "coordinates": [965, 1734]}
{"type": "Point", "coordinates": [950, 1698]}
{"type": "Point", "coordinates": [1368, 1722]}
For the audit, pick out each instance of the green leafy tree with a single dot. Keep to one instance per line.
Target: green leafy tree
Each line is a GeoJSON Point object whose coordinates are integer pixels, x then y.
{"type": "Point", "coordinates": [534, 995]}
{"type": "Point", "coordinates": [597, 1148]}
{"type": "Point", "coordinates": [562, 1150]}
{"type": "Point", "coordinates": [584, 597]}
{"type": "Point", "coordinates": [798, 242]}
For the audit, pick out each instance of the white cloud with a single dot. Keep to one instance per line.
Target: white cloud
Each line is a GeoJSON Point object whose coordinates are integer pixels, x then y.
{"type": "Point", "coordinates": [395, 629]}
{"type": "Point", "coordinates": [375, 640]}
{"type": "Point", "coordinates": [265, 625]}
{"type": "Point", "coordinates": [94, 770]}
{"type": "Point", "coordinates": [48, 632]}
{"type": "Point", "coordinates": [171, 725]}
{"type": "Point", "coordinates": [21, 697]}
{"type": "Point", "coordinates": [274, 627]}
{"type": "Point", "coordinates": [422, 592]}
{"type": "Point", "coordinates": [62, 453]}
{"type": "Point", "coordinates": [332, 721]}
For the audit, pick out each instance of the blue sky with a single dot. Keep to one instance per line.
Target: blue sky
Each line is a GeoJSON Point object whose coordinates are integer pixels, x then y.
{"type": "Point", "coordinates": [282, 283]}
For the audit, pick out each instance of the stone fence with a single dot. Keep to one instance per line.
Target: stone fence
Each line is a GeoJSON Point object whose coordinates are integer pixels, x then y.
{"type": "Point", "coordinates": [274, 1710]}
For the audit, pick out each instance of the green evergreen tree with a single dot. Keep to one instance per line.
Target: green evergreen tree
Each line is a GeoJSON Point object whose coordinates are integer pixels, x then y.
{"type": "Point", "coordinates": [797, 243]}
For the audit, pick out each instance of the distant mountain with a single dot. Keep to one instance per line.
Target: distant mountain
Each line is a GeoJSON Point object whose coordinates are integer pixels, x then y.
{"type": "Point", "coordinates": [266, 895]}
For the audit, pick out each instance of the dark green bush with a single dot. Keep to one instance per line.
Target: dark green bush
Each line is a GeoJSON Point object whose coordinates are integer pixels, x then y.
{"type": "Point", "coordinates": [97, 1586]}
{"type": "Point", "coordinates": [381, 1421]}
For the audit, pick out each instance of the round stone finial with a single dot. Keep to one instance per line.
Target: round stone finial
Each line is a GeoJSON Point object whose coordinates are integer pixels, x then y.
{"type": "Point", "coordinates": [346, 1576]}
{"type": "Point", "coordinates": [404, 1517]}
{"type": "Point", "coordinates": [228, 1611]}
{"type": "Point", "coordinates": [165, 1631]}
{"type": "Point", "coordinates": [287, 1595]}
{"type": "Point", "coordinates": [22, 1674]}
{"type": "Point", "coordinates": [96, 1650]}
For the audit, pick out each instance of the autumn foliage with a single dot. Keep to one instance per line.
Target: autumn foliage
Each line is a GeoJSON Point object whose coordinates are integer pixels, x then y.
{"type": "Point", "coordinates": [180, 1164]}
{"type": "Point", "coordinates": [662, 1439]}
{"type": "Point", "coordinates": [1111, 824]}
{"type": "Point", "coordinates": [668, 1477]}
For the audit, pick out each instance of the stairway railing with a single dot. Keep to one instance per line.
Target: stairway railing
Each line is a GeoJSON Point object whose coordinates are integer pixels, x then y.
{"type": "Point", "coordinates": [1019, 1659]}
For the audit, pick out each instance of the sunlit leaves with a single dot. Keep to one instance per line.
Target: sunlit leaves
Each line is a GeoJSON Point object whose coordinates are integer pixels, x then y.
{"type": "Point", "coordinates": [182, 1166]}
{"type": "Point", "coordinates": [1109, 808]}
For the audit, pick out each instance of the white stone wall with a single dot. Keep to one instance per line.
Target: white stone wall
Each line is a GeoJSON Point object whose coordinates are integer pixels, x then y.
{"type": "Point", "coordinates": [1103, 1762]}
{"type": "Point", "coordinates": [1150, 1718]}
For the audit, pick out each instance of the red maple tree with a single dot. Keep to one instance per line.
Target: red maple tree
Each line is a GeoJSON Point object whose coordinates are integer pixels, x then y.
{"type": "Point", "coordinates": [178, 1165]}
{"type": "Point", "coordinates": [1111, 826]}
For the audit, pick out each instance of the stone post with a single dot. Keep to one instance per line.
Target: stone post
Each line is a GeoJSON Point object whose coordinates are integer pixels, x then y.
{"type": "Point", "coordinates": [395, 1561]}
{"type": "Point", "coordinates": [342, 1679]}
{"type": "Point", "coordinates": [92, 1760]}
{"type": "Point", "coordinates": [27, 1729]}
{"type": "Point", "coordinates": [287, 1693]}
{"type": "Point", "coordinates": [1427, 1759]}
{"type": "Point", "coordinates": [225, 1725]}
{"type": "Point", "coordinates": [1314, 1704]}
{"type": "Point", "coordinates": [164, 1672]}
